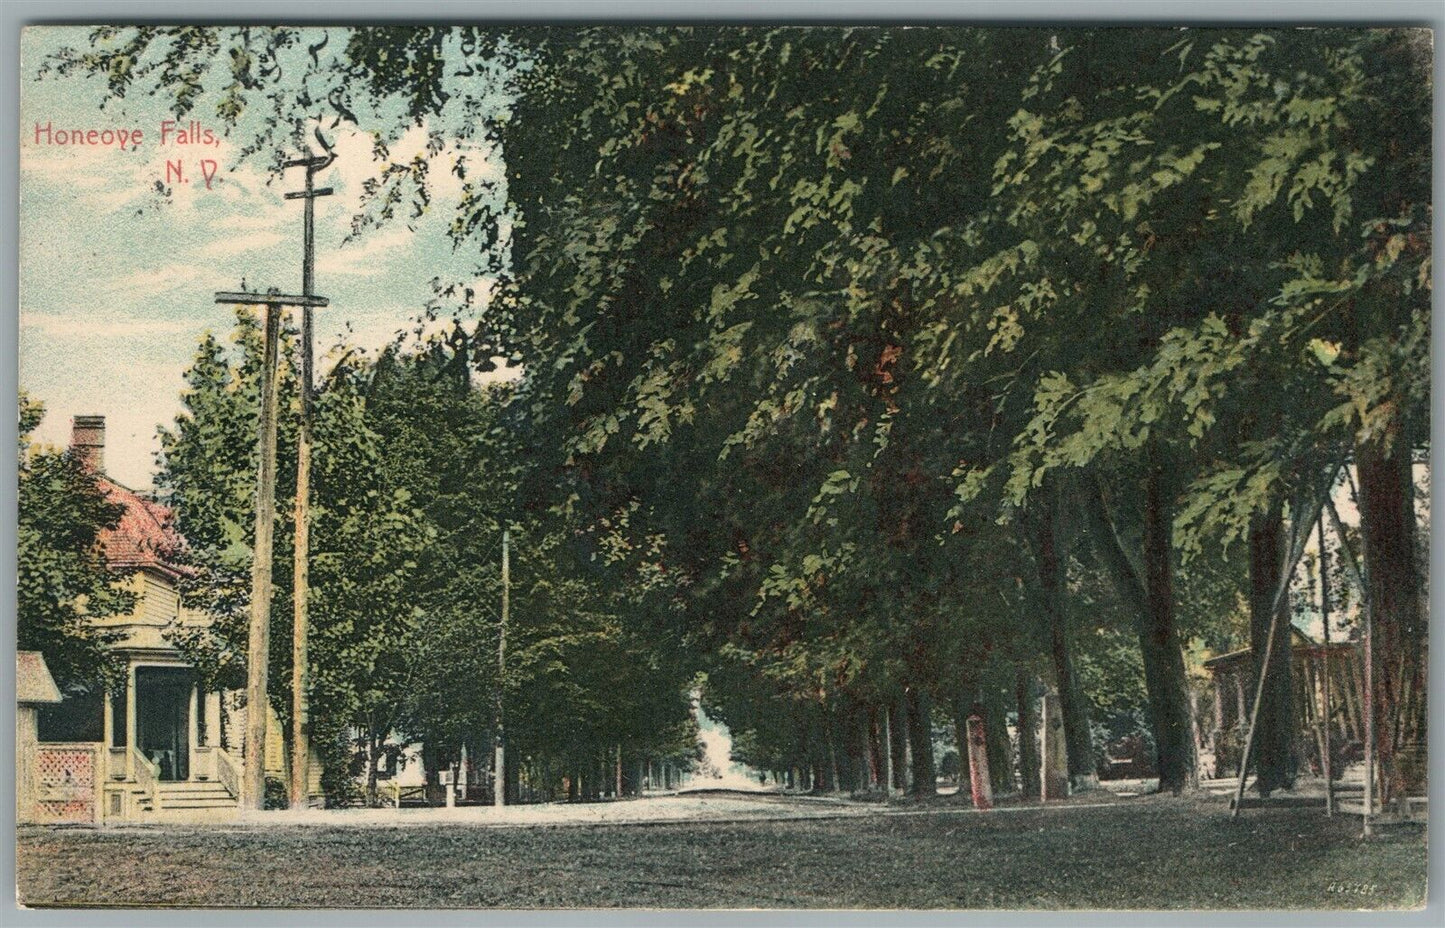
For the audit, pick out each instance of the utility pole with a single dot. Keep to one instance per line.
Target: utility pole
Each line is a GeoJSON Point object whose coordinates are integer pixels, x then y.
{"type": "Point", "coordinates": [253, 785]}
{"type": "Point", "coordinates": [499, 789]}
{"type": "Point", "coordinates": [301, 586]}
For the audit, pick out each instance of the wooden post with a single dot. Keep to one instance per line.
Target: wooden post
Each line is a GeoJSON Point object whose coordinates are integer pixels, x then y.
{"type": "Point", "coordinates": [617, 793]}
{"type": "Point", "coordinates": [301, 579]}
{"type": "Point", "coordinates": [499, 791]}
{"type": "Point", "coordinates": [253, 787]}
{"type": "Point", "coordinates": [1219, 736]}
{"type": "Point", "coordinates": [301, 586]}
{"type": "Point", "coordinates": [1241, 706]}
{"type": "Point", "coordinates": [1367, 710]}
{"type": "Point", "coordinates": [107, 732]}
{"type": "Point", "coordinates": [978, 765]}
{"type": "Point", "coordinates": [193, 731]}
{"type": "Point", "coordinates": [130, 723]}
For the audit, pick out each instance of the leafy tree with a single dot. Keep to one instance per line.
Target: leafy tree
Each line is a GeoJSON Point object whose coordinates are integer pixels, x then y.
{"type": "Point", "coordinates": [65, 583]}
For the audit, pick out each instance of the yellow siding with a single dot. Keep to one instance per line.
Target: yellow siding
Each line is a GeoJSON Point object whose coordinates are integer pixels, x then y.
{"type": "Point", "coordinates": [160, 602]}
{"type": "Point", "coordinates": [135, 583]}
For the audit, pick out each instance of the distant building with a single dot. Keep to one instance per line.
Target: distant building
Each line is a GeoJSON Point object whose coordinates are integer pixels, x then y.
{"type": "Point", "coordinates": [1234, 680]}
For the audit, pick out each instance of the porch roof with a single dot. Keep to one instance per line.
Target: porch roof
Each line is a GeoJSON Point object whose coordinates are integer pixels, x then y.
{"type": "Point", "coordinates": [1302, 644]}
{"type": "Point", "coordinates": [33, 683]}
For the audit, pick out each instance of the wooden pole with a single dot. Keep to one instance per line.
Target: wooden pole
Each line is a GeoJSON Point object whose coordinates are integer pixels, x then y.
{"type": "Point", "coordinates": [1296, 548]}
{"type": "Point", "coordinates": [1325, 664]}
{"type": "Point", "coordinates": [301, 585]}
{"type": "Point", "coordinates": [1368, 709]}
{"type": "Point", "coordinates": [499, 797]}
{"type": "Point", "coordinates": [253, 787]}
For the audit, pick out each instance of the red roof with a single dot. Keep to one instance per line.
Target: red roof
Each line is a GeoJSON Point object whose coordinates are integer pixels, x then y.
{"type": "Point", "coordinates": [146, 535]}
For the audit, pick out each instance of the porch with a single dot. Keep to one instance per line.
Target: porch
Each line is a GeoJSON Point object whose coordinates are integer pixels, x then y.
{"type": "Point", "coordinates": [157, 744]}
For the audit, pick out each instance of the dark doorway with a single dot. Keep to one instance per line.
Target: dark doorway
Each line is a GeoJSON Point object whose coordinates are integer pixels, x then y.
{"type": "Point", "coordinates": [79, 717]}
{"type": "Point", "coordinates": [163, 716]}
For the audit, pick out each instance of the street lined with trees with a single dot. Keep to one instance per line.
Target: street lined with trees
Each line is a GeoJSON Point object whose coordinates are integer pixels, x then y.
{"type": "Point", "coordinates": [860, 380]}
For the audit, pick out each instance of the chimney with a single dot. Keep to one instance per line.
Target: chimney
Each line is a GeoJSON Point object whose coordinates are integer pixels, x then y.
{"type": "Point", "coordinates": [87, 442]}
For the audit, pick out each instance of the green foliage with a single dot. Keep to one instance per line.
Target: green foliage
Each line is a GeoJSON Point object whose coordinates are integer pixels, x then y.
{"type": "Point", "coordinates": [64, 582]}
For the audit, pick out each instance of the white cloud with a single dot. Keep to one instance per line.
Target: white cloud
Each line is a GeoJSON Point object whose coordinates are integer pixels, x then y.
{"type": "Point", "coordinates": [88, 326]}
{"type": "Point", "coordinates": [364, 258]}
{"type": "Point", "coordinates": [240, 244]}
{"type": "Point", "coordinates": [139, 285]}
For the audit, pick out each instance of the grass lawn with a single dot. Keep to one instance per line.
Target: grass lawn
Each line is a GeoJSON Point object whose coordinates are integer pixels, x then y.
{"type": "Point", "coordinates": [1144, 853]}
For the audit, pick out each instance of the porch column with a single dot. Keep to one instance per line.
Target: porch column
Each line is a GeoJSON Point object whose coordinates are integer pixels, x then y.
{"type": "Point", "coordinates": [213, 719]}
{"type": "Point", "coordinates": [192, 733]}
{"type": "Point", "coordinates": [107, 716]}
{"type": "Point", "coordinates": [130, 722]}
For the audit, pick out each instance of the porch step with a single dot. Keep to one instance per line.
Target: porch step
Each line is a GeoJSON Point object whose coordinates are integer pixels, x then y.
{"type": "Point", "coordinates": [182, 786]}
{"type": "Point", "coordinates": [195, 794]}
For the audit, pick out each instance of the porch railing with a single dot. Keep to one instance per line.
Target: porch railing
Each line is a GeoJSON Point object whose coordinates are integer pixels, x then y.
{"type": "Point", "coordinates": [203, 763]}
{"type": "Point", "coordinates": [148, 778]}
{"type": "Point", "coordinates": [227, 772]}
{"type": "Point", "coordinates": [115, 763]}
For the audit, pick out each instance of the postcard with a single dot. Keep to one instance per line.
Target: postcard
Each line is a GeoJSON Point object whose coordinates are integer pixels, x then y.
{"type": "Point", "coordinates": [723, 467]}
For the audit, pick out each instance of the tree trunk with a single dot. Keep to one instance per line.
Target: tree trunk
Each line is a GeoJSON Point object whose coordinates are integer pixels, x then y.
{"type": "Point", "coordinates": [1078, 740]}
{"type": "Point", "coordinates": [1274, 736]}
{"type": "Point", "coordinates": [1151, 598]}
{"type": "Point", "coordinates": [1399, 624]}
{"type": "Point", "coordinates": [920, 743]}
{"type": "Point", "coordinates": [996, 739]}
{"type": "Point", "coordinates": [880, 767]}
{"type": "Point", "coordinates": [1163, 661]}
{"type": "Point", "coordinates": [897, 748]}
{"type": "Point", "coordinates": [867, 776]}
{"type": "Point", "coordinates": [834, 784]}
{"type": "Point", "coordinates": [511, 779]}
{"type": "Point", "coordinates": [372, 754]}
{"type": "Point", "coordinates": [962, 704]}
{"type": "Point", "coordinates": [1025, 694]}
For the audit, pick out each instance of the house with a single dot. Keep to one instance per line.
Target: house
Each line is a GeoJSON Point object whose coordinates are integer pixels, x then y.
{"type": "Point", "coordinates": [1233, 676]}
{"type": "Point", "coordinates": [162, 745]}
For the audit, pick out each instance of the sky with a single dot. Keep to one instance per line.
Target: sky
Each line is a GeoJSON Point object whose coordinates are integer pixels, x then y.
{"type": "Point", "coordinates": [116, 285]}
